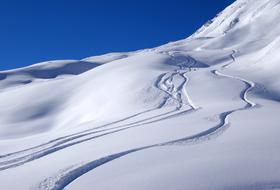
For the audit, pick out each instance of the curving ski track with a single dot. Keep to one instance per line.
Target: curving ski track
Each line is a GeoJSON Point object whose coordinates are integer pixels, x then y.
{"type": "Point", "coordinates": [163, 83]}
{"type": "Point", "coordinates": [67, 177]}
{"type": "Point", "coordinates": [172, 84]}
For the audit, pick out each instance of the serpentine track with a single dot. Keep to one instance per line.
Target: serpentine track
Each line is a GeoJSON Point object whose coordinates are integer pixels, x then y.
{"type": "Point", "coordinates": [67, 176]}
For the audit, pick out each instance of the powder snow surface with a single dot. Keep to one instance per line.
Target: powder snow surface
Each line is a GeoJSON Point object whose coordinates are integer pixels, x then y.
{"type": "Point", "coordinates": [199, 113]}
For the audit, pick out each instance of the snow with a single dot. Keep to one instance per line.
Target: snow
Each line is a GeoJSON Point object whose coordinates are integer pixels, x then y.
{"type": "Point", "coordinates": [199, 113]}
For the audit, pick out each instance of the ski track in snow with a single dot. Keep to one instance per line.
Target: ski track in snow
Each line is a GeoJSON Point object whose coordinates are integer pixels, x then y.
{"type": "Point", "coordinates": [163, 83]}
{"type": "Point", "coordinates": [63, 179]}
{"type": "Point", "coordinates": [236, 55]}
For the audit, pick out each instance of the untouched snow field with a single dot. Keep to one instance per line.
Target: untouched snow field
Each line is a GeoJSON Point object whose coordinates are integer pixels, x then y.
{"type": "Point", "coordinates": [200, 113]}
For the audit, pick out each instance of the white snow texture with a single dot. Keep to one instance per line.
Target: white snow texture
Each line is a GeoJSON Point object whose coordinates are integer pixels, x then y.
{"type": "Point", "coordinates": [201, 113]}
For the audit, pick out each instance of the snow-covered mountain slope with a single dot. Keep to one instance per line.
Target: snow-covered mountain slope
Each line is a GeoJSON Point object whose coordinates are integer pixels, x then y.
{"type": "Point", "coordinates": [199, 113]}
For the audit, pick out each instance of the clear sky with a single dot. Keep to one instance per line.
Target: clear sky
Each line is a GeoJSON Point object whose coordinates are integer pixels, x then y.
{"type": "Point", "coordinates": [32, 31]}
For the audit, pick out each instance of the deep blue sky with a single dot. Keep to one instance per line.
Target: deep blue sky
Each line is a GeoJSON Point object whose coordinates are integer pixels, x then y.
{"type": "Point", "coordinates": [35, 30]}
